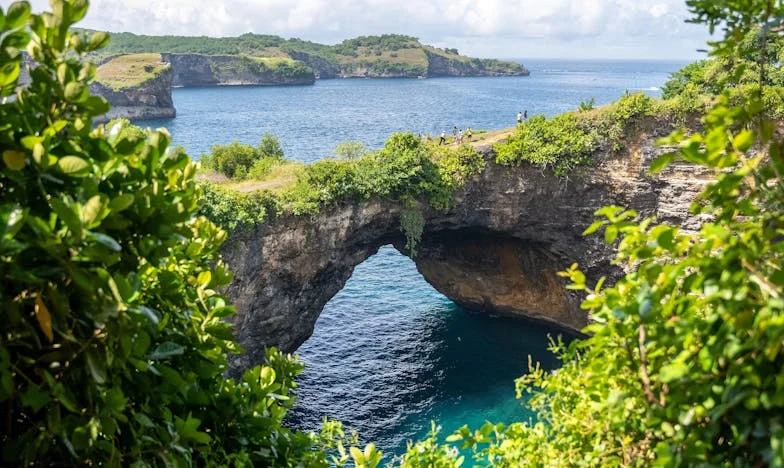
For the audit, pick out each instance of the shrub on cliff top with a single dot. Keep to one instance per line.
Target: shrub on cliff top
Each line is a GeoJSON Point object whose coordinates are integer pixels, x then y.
{"type": "Point", "coordinates": [404, 170]}
{"type": "Point", "coordinates": [559, 143]}
{"type": "Point", "coordinates": [238, 161]}
{"type": "Point", "coordinates": [113, 344]}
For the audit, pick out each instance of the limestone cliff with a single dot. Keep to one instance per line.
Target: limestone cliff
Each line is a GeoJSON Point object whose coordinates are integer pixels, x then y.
{"type": "Point", "coordinates": [210, 70]}
{"type": "Point", "coordinates": [497, 250]}
{"type": "Point", "coordinates": [440, 65]}
{"type": "Point", "coordinates": [151, 99]}
{"type": "Point", "coordinates": [322, 68]}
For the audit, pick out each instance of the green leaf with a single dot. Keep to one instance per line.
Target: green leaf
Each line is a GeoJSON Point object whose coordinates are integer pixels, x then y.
{"type": "Point", "coordinates": [35, 398]}
{"type": "Point", "coordinates": [610, 234]}
{"type": "Point", "coordinates": [68, 215]}
{"type": "Point", "coordinates": [91, 211]}
{"type": "Point", "coordinates": [15, 160]}
{"type": "Point", "coordinates": [673, 371]}
{"type": "Point", "coordinates": [73, 166]}
{"type": "Point", "coordinates": [44, 318]}
{"type": "Point", "coordinates": [96, 105]}
{"type": "Point", "coordinates": [98, 40]}
{"type": "Point", "coordinates": [661, 162]}
{"type": "Point", "coordinates": [665, 238]}
{"type": "Point", "coordinates": [106, 241]}
{"type": "Point", "coordinates": [166, 350]}
{"type": "Point", "coordinates": [17, 14]}
{"type": "Point", "coordinates": [143, 419]}
{"type": "Point", "coordinates": [76, 92]}
{"type": "Point", "coordinates": [743, 140]}
{"type": "Point", "coordinates": [96, 365]}
{"type": "Point", "coordinates": [121, 202]}
{"type": "Point", "coordinates": [594, 227]}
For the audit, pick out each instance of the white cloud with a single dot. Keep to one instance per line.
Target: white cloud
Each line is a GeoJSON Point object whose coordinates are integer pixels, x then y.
{"type": "Point", "coordinates": [553, 25]}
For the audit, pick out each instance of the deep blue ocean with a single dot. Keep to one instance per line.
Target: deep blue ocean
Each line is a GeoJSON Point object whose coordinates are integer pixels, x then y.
{"type": "Point", "coordinates": [389, 353]}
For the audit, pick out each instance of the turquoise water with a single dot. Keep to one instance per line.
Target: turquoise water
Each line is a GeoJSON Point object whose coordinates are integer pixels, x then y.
{"type": "Point", "coordinates": [389, 353]}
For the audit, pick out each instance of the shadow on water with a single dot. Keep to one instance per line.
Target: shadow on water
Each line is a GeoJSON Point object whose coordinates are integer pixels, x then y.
{"type": "Point", "coordinates": [390, 354]}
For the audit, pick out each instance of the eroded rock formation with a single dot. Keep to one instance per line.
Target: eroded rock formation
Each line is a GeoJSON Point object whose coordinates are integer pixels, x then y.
{"type": "Point", "coordinates": [150, 100]}
{"type": "Point", "coordinates": [496, 250]}
{"type": "Point", "coordinates": [211, 70]}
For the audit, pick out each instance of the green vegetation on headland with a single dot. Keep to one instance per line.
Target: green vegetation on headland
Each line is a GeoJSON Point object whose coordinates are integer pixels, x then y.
{"type": "Point", "coordinates": [129, 71]}
{"type": "Point", "coordinates": [251, 193]}
{"type": "Point", "coordinates": [386, 55]}
{"type": "Point", "coordinates": [278, 66]}
{"type": "Point", "coordinates": [405, 170]}
{"type": "Point", "coordinates": [110, 289]}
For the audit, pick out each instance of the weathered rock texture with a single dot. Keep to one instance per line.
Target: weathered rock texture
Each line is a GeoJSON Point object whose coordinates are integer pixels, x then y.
{"type": "Point", "coordinates": [150, 100]}
{"type": "Point", "coordinates": [439, 65]}
{"type": "Point", "coordinates": [323, 68]}
{"type": "Point", "coordinates": [210, 70]}
{"type": "Point", "coordinates": [496, 250]}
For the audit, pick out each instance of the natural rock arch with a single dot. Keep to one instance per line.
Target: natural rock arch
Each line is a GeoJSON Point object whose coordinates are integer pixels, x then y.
{"type": "Point", "coordinates": [497, 249]}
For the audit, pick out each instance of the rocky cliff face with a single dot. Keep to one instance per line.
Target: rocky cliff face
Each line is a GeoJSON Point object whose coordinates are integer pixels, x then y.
{"type": "Point", "coordinates": [323, 68]}
{"type": "Point", "coordinates": [438, 65]}
{"type": "Point", "coordinates": [190, 70]}
{"type": "Point", "coordinates": [209, 70]}
{"type": "Point", "coordinates": [496, 250]}
{"type": "Point", "coordinates": [150, 100]}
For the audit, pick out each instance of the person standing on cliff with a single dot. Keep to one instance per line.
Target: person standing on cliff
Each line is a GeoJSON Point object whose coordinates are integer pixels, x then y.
{"type": "Point", "coordinates": [443, 138]}
{"type": "Point", "coordinates": [525, 114]}
{"type": "Point", "coordinates": [469, 133]}
{"type": "Point", "coordinates": [519, 118]}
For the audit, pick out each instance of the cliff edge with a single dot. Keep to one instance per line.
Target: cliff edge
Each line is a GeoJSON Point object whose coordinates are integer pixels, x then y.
{"type": "Point", "coordinates": [138, 87]}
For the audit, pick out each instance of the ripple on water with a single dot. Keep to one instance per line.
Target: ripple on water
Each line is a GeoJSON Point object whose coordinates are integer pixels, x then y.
{"type": "Point", "coordinates": [390, 354]}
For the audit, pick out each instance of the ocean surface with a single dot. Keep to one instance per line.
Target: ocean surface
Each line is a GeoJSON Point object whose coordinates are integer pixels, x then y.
{"type": "Point", "coordinates": [389, 353]}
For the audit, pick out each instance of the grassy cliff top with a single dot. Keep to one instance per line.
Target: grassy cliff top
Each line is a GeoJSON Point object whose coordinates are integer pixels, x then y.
{"type": "Point", "coordinates": [132, 70]}
{"type": "Point", "coordinates": [390, 48]}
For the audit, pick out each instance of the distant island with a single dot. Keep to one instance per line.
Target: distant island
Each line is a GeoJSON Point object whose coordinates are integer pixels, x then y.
{"type": "Point", "coordinates": [136, 72]}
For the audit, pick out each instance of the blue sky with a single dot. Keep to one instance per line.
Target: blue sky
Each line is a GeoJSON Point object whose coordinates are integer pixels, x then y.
{"type": "Point", "coordinates": [579, 29]}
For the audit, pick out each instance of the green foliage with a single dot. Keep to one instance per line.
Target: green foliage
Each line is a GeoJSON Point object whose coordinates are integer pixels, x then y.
{"type": "Point", "coordinates": [412, 225]}
{"type": "Point", "coordinates": [387, 54]}
{"type": "Point", "coordinates": [684, 362]}
{"type": "Point", "coordinates": [429, 453]}
{"type": "Point", "coordinates": [739, 69]}
{"type": "Point", "coordinates": [271, 68]}
{"type": "Point", "coordinates": [558, 143]}
{"type": "Point", "coordinates": [238, 161]}
{"type": "Point", "coordinates": [123, 129]}
{"type": "Point", "coordinates": [384, 67]}
{"type": "Point", "coordinates": [235, 211]}
{"type": "Point", "coordinates": [587, 105]}
{"type": "Point", "coordinates": [350, 150]}
{"type": "Point", "coordinates": [113, 348]}
{"type": "Point", "coordinates": [404, 170]}
{"type": "Point", "coordinates": [384, 42]}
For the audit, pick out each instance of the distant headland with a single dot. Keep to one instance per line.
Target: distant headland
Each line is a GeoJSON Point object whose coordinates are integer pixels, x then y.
{"type": "Point", "coordinates": [136, 72]}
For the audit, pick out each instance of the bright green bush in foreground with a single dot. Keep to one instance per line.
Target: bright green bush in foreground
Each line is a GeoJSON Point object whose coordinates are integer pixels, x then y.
{"type": "Point", "coordinates": [112, 335]}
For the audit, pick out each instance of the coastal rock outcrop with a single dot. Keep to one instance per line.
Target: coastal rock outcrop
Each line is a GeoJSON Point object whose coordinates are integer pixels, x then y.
{"type": "Point", "coordinates": [209, 70]}
{"type": "Point", "coordinates": [322, 68]}
{"type": "Point", "coordinates": [439, 65]}
{"type": "Point", "coordinates": [149, 100]}
{"type": "Point", "coordinates": [496, 250]}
